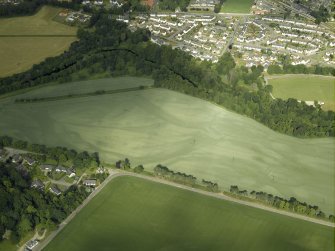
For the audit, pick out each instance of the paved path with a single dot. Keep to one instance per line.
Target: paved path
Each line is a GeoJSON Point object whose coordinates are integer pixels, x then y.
{"type": "Point", "coordinates": [114, 174]}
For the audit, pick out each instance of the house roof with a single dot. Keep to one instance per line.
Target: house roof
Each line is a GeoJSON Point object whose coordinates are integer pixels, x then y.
{"type": "Point", "coordinates": [22, 169]}
{"type": "Point", "coordinates": [45, 166]}
{"type": "Point", "coordinates": [2, 153]}
{"type": "Point", "coordinates": [90, 182]}
{"type": "Point", "coordinates": [54, 189]}
{"type": "Point", "coordinates": [29, 160]}
{"type": "Point", "coordinates": [70, 171]}
{"type": "Point", "coordinates": [16, 158]}
{"type": "Point", "coordinates": [37, 184]}
{"type": "Point", "coordinates": [61, 168]}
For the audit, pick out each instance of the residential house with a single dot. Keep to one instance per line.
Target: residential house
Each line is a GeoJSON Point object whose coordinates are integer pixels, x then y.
{"type": "Point", "coordinates": [60, 169]}
{"type": "Point", "coordinates": [38, 184]}
{"type": "Point", "coordinates": [47, 168]}
{"type": "Point", "coordinates": [22, 170]}
{"type": "Point", "coordinates": [29, 161]}
{"type": "Point", "coordinates": [70, 173]}
{"type": "Point", "coordinates": [3, 154]}
{"type": "Point", "coordinates": [90, 182]}
{"type": "Point", "coordinates": [31, 244]}
{"type": "Point", "coordinates": [16, 158]}
{"type": "Point", "coordinates": [55, 190]}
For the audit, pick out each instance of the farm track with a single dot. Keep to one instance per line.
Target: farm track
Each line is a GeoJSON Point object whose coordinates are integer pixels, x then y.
{"type": "Point", "coordinates": [82, 95]}
{"type": "Point", "coordinates": [115, 174]}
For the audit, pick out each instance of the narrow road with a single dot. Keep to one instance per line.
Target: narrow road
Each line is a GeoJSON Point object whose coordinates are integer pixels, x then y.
{"type": "Point", "coordinates": [61, 182]}
{"type": "Point", "coordinates": [45, 242]}
{"type": "Point", "coordinates": [115, 174]}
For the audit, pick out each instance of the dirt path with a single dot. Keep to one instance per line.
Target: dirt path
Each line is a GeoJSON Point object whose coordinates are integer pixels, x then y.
{"type": "Point", "coordinates": [266, 83]}
{"type": "Point", "coordinates": [114, 174]}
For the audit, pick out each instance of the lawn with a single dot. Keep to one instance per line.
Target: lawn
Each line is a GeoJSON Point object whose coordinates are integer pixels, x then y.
{"type": "Point", "coordinates": [19, 49]}
{"type": "Point", "coordinates": [134, 214]}
{"type": "Point", "coordinates": [7, 245]}
{"type": "Point", "coordinates": [185, 133]}
{"type": "Point", "coordinates": [237, 6]}
{"type": "Point", "coordinates": [305, 87]}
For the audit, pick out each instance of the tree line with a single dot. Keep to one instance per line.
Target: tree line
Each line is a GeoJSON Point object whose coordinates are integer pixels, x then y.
{"type": "Point", "coordinates": [183, 178]}
{"type": "Point", "coordinates": [111, 47]}
{"type": "Point", "coordinates": [60, 154]}
{"type": "Point", "coordinates": [172, 5]}
{"type": "Point", "coordinates": [301, 69]}
{"type": "Point", "coordinates": [290, 205]}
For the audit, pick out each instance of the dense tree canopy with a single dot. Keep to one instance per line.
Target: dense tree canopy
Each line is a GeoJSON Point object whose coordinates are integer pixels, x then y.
{"type": "Point", "coordinates": [173, 4]}
{"type": "Point", "coordinates": [23, 208]}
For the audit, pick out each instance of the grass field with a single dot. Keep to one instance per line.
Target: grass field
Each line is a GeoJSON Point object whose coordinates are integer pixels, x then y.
{"type": "Point", "coordinates": [305, 87]}
{"type": "Point", "coordinates": [186, 134]}
{"type": "Point", "coordinates": [133, 214]}
{"type": "Point", "coordinates": [237, 6]}
{"type": "Point", "coordinates": [20, 53]}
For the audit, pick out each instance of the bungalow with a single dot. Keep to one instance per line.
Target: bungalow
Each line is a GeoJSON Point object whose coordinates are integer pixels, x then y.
{"type": "Point", "coordinates": [38, 184]}
{"type": "Point", "coordinates": [54, 189]}
{"type": "Point", "coordinates": [90, 183]}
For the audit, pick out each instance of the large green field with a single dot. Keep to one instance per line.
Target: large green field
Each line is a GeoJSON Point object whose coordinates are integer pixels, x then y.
{"type": "Point", "coordinates": [20, 46]}
{"type": "Point", "coordinates": [185, 133]}
{"type": "Point", "coordinates": [237, 6]}
{"type": "Point", "coordinates": [134, 214]}
{"type": "Point", "coordinates": [305, 87]}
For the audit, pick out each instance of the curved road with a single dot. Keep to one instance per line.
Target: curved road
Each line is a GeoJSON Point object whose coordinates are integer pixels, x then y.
{"type": "Point", "coordinates": [115, 174]}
